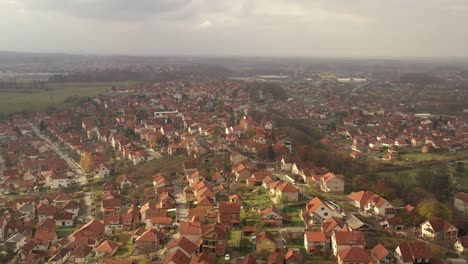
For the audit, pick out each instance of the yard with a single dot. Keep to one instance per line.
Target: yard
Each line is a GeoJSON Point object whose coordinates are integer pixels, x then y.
{"type": "Point", "coordinates": [259, 198]}
{"type": "Point", "coordinates": [126, 251]}
{"type": "Point", "coordinates": [234, 239]}
{"type": "Point", "coordinates": [64, 231]}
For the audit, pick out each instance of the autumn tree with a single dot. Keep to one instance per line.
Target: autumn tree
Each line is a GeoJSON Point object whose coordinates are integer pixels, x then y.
{"type": "Point", "coordinates": [86, 162]}
{"type": "Point", "coordinates": [430, 208]}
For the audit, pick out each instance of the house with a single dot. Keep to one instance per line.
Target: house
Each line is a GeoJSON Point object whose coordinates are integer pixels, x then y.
{"type": "Point", "coordinates": [161, 222]}
{"type": "Point", "coordinates": [461, 202]}
{"type": "Point", "coordinates": [61, 199]}
{"type": "Point", "coordinates": [124, 181]}
{"type": "Point", "coordinates": [214, 239]}
{"type": "Point", "coordinates": [91, 231]}
{"type": "Point", "coordinates": [275, 258]}
{"type": "Point", "coordinates": [316, 212]}
{"type": "Point", "coordinates": [111, 206]}
{"type": "Point", "coordinates": [287, 192]}
{"type": "Point", "coordinates": [292, 257]}
{"type": "Point", "coordinates": [60, 256]}
{"type": "Point", "coordinates": [412, 252]}
{"type": "Point", "coordinates": [107, 248]}
{"type": "Point", "coordinates": [241, 172]}
{"type": "Point", "coordinates": [354, 255]}
{"type": "Point", "coordinates": [247, 260]}
{"type": "Point", "coordinates": [205, 204]}
{"type": "Point", "coordinates": [177, 257]}
{"type": "Point", "coordinates": [235, 199]}
{"type": "Point", "coordinates": [159, 181]}
{"type": "Point", "coordinates": [81, 253]}
{"type": "Point", "coordinates": [138, 157]}
{"type": "Point", "coordinates": [45, 238]}
{"type": "Point", "coordinates": [183, 244]}
{"type": "Point", "coordinates": [315, 241]}
{"type": "Point", "coordinates": [102, 171]}
{"type": "Point", "coordinates": [59, 180]}
{"type": "Point", "coordinates": [45, 211]}
{"type": "Point", "coordinates": [346, 239]}
{"type": "Point", "coordinates": [218, 178]}
{"type": "Point", "coordinates": [329, 226]}
{"type": "Point", "coordinates": [370, 202]}
{"type": "Point", "coordinates": [380, 255]}
{"type": "Point", "coordinates": [190, 166]}
{"type": "Point", "coordinates": [461, 245]}
{"type": "Point", "coordinates": [265, 241]}
{"type": "Point", "coordinates": [17, 241]}
{"type": "Point", "coordinates": [150, 240]}
{"type": "Point", "coordinates": [63, 218]}
{"type": "Point", "coordinates": [274, 217]}
{"type": "Point", "coordinates": [191, 230]}
{"type": "Point", "coordinates": [3, 224]}
{"type": "Point", "coordinates": [331, 182]}
{"type": "Point", "coordinates": [113, 224]}
{"type": "Point", "coordinates": [202, 258]}
{"type": "Point", "coordinates": [229, 213]}
{"type": "Point", "coordinates": [119, 261]}
{"type": "Point", "coordinates": [439, 229]}
{"type": "Point", "coordinates": [72, 207]}
{"type": "Point", "coordinates": [286, 164]}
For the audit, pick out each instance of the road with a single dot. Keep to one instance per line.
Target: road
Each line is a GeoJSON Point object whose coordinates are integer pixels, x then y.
{"type": "Point", "coordinates": [182, 208]}
{"type": "Point", "coordinates": [2, 163]}
{"type": "Point", "coordinates": [71, 163]}
{"type": "Point", "coordinates": [89, 206]}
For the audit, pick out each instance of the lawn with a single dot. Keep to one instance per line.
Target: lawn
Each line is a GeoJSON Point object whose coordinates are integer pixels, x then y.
{"type": "Point", "coordinates": [250, 218]}
{"type": "Point", "coordinates": [259, 198]}
{"type": "Point", "coordinates": [54, 96]}
{"type": "Point", "coordinates": [234, 238]}
{"type": "Point", "coordinates": [463, 181]}
{"type": "Point", "coordinates": [125, 251]}
{"type": "Point", "coordinates": [64, 231]}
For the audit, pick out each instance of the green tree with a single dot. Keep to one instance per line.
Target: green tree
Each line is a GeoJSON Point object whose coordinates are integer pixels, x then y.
{"type": "Point", "coordinates": [42, 126]}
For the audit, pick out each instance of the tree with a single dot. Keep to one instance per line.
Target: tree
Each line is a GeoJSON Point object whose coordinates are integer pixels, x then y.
{"type": "Point", "coordinates": [42, 126]}
{"type": "Point", "coordinates": [86, 162]}
{"type": "Point", "coordinates": [430, 208]}
{"type": "Point", "coordinates": [460, 168]}
{"type": "Point", "coordinates": [435, 181]}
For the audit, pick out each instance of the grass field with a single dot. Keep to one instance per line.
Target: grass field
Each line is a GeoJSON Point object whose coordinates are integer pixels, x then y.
{"type": "Point", "coordinates": [425, 156]}
{"type": "Point", "coordinates": [55, 96]}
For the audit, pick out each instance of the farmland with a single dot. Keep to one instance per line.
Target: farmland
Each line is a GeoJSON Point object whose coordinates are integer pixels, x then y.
{"type": "Point", "coordinates": [53, 96]}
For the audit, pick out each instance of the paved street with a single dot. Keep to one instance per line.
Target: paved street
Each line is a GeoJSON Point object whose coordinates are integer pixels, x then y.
{"type": "Point", "coordinates": [2, 163]}
{"type": "Point", "coordinates": [182, 209]}
{"type": "Point", "coordinates": [89, 206]}
{"type": "Point", "coordinates": [71, 163]}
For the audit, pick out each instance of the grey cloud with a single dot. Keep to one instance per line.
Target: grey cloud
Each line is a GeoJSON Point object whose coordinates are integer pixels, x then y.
{"type": "Point", "coordinates": [110, 9]}
{"type": "Point", "coordinates": [239, 27]}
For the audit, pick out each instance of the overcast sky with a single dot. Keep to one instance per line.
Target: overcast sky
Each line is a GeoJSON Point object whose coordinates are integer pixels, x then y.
{"type": "Point", "coordinates": [237, 27]}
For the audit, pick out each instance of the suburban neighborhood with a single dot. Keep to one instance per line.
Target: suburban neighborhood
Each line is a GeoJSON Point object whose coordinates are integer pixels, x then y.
{"type": "Point", "coordinates": [219, 172]}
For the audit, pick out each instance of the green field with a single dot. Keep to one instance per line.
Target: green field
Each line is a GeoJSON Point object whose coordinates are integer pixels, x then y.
{"type": "Point", "coordinates": [54, 96]}
{"type": "Point", "coordinates": [418, 156]}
